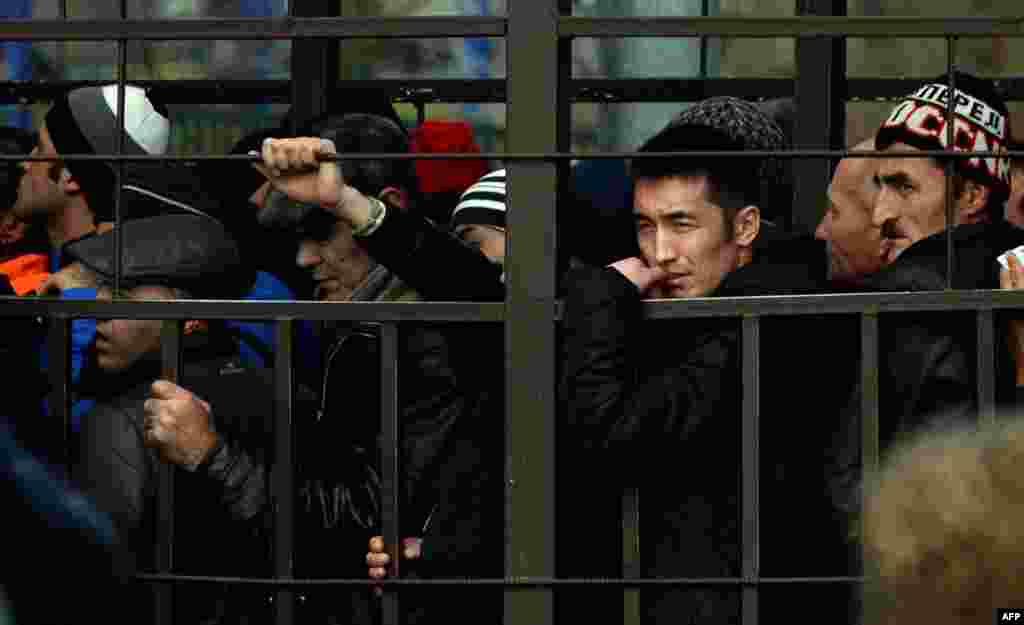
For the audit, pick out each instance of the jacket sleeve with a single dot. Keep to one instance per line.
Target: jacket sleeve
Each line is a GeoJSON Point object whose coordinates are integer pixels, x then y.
{"type": "Point", "coordinates": [241, 476]}
{"type": "Point", "coordinates": [926, 382]}
{"type": "Point", "coordinates": [433, 262]}
{"type": "Point", "coordinates": [618, 415]}
{"type": "Point", "coordinates": [432, 400]}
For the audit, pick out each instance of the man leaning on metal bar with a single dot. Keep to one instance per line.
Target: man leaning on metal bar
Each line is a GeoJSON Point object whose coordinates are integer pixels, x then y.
{"type": "Point", "coordinates": [927, 371]}
{"type": "Point", "coordinates": [334, 209]}
{"type": "Point", "coordinates": [658, 405]}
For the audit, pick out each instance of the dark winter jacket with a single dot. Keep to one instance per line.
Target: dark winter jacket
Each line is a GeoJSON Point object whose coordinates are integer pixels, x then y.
{"type": "Point", "coordinates": [927, 361]}
{"type": "Point", "coordinates": [657, 405]}
{"type": "Point", "coordinates": [462, 490]}
{"type": "Point", "coordinates": [119, 473]}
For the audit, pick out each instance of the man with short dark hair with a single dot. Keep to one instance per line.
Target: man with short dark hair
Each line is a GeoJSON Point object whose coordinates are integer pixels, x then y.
{"type": "Point", "coordinates": [338, 468]}
{"type": "Point", "coordinates": [657, 405]}
{"type": "Point", "coordinates": [76, 196]}
{"type": "Point", "coordinates": [23, 247]}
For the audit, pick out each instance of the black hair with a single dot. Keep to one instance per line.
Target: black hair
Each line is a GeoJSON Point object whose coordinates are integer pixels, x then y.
{"type": "Point", "coordinates": [13, 142]}
{"type": "Point", "coordinates": [734, 182]}
{"type": "Point", "coordinates": [986, 91]}
{"type": "Point", "coordinates": [359, 133]}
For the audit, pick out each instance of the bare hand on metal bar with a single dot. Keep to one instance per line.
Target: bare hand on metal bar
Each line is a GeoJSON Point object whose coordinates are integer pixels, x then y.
{"type": "Point", "coordinates": [302, 169]}
{"type": "Point", "coordinates": [378, 559]}
{"type": "Point", "coordinates": [178, 425]}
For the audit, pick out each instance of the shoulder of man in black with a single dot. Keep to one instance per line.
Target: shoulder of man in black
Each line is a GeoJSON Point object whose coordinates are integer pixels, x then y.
{"type": "Point", "coordinates": [783, 264]}
{"type": "Point", "coordinates": [922, 267]}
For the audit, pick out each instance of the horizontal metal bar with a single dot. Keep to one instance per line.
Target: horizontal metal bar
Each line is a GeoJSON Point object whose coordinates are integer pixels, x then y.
{"type": "Point", "coordinates": [519, 582]}
{"type": "Point", "coordinates": [253, 310]}
{"type": "Point", "coordinates": [530, 156]}
{"type": "Point", "coordinates": [766, 305]}
{"type": "Point", "coordinates": [275, 91]}
{"type": "Point", "coordinates": [611, 90]}
{"type": "Point", "coordinates": [472, 26]}
{"type": "Point", "coordinates": [803, 26]}
{"type": "Point", "coordinates": [492, 90]}
{"type": "Point", "coordinates": [846, 303]}
{"type": "Point", "coordinates": [251, 28]}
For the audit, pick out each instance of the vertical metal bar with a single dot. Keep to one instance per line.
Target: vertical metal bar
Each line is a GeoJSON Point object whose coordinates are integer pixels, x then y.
{"type": "Point", "coordinates": [705, 7]}
{"type": "Point", "coordinates": [869, 418]}
{"type": "Point", "coordinates": [170, 358]}
{"type": "Point", "coordinates": [950, 163]}
{"type": "Point", "coordinates": [751, 466]}
{"type": "Point", "coordinates": [283, 471]}
{"type": "Point", "coordinates": [389, 462]}
{"type": "Point", "coordinates": [122, 77]}
{"type": "Point", "coordinates": [61, 46]}
{"type": "Point", "coordinates": [421, 112]}
{"type": "Point", "coordinates": [821, 102]}
{"type": "Point", "coordinates": [534, 80]}
{"type": "Point", "coordinates": [986, 367]}
{"type": "Point", "coordinates": [59, 401]}
{"type": "Point", "coordinates": [314, 66]}
{"type": "Point", "coordinates": [631, 552]}
{"type": "Point", "coordinates": [869, 393]}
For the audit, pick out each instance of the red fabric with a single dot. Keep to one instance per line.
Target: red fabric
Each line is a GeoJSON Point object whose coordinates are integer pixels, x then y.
{"type": "Point", "coordinates": [441, 136]}
{"type": "Point", "coordinates": [25, 272]}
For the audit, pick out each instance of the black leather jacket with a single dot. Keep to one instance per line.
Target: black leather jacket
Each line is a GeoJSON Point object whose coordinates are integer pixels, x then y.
{"type": "Point", "coordinates": [927, 361]}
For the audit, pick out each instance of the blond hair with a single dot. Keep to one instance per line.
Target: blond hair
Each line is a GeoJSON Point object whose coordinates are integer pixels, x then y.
{"type": "Point", "coordinates": [944, 527]}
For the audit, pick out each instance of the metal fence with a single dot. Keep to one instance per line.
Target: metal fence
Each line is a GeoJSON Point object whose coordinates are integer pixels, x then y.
{"type": "Point", "coordinates": [539, 91]}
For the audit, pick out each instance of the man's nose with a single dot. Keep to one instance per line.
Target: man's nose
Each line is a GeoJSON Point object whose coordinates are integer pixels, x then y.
{"type": "Point", "coordinates": [308, 254]}
{"type": "Point", "coordinates": [664, 251]}
{"type": "Point", "coordinates": [883, 210]}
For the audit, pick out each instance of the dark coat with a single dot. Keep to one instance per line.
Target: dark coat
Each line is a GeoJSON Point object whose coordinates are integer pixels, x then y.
{"type": "Point", "coordinates": [927, 361]}
{"type": "Point", "coordinates": [658, 405]}
{"type": "Point", "coordinates": [119, 473]}
{"type": "Point", "coordinates": [458, 460]}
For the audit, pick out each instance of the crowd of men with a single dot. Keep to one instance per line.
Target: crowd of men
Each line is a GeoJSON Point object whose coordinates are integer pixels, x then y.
{"type": "Point", "coordinates": [654, 406]}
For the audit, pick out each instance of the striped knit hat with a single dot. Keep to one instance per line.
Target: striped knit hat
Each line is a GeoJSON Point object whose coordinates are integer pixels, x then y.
{"type": "Point", "coordinates": [482, 203]}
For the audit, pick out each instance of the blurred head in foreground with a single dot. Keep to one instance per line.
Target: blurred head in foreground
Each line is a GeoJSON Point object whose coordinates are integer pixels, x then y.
{"type": "Point", "coordinates": [944, 527]}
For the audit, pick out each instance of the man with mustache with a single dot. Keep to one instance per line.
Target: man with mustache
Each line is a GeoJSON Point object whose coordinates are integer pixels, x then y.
{"type": "Point", "coordinates": [928, 363]}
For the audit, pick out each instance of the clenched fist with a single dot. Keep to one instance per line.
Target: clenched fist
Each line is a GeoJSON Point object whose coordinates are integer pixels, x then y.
{"type": "Point", "coordinates": [178, 425]}
{"type": "Point", "coordinates": [294, 167]}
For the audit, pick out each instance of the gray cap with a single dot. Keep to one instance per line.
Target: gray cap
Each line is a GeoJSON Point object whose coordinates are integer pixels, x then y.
{"type": "Point", "coordinates": [189, 252]}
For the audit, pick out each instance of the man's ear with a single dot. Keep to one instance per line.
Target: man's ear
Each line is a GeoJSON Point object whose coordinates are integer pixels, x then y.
{"type": "Point", "coordinates": [393, 196]}
{"type": "Point", "coordinates": [746, 225]}
{"type": "Point", "coordinates": [972, 203]}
